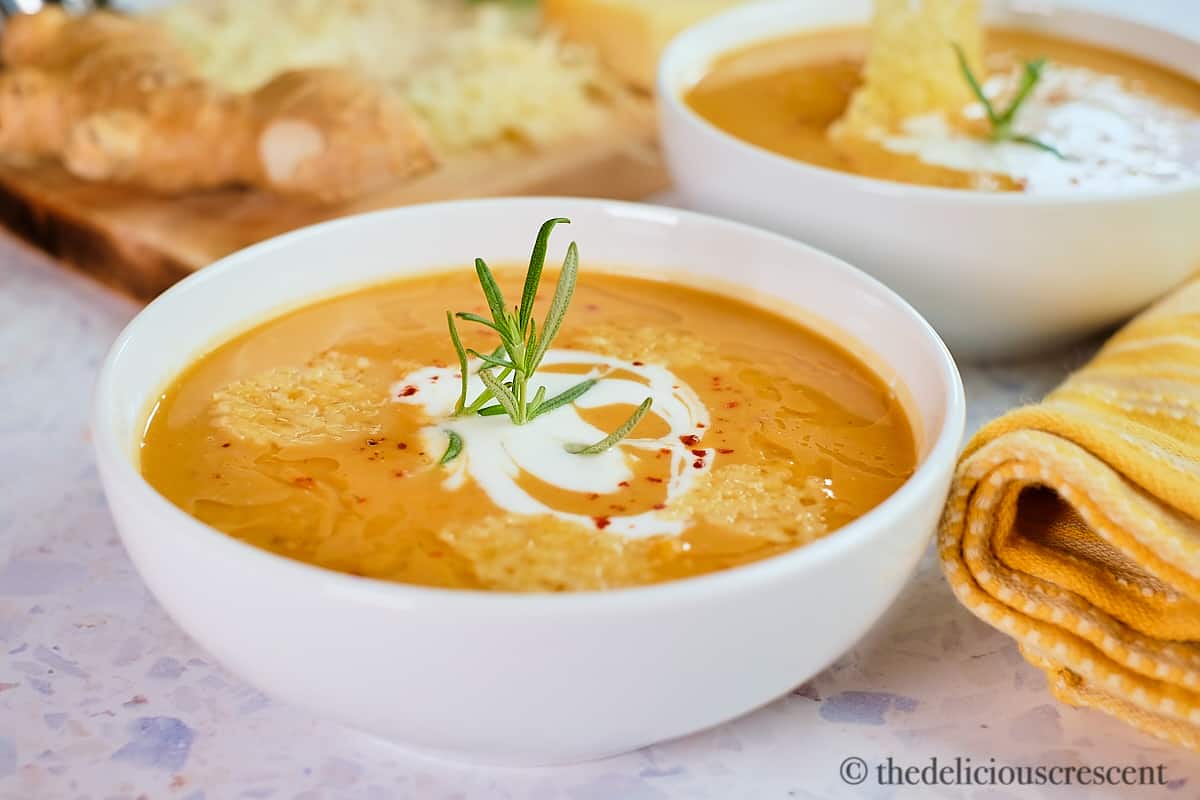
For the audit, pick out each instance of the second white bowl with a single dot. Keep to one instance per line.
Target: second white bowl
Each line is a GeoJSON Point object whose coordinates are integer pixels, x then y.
{"type": "Point", "coordinates": [998, 275]}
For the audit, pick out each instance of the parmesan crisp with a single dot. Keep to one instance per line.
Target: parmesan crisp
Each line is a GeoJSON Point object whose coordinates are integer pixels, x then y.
{"type": "Point", "coordinates": [911, 67]}
{"type": "Point", "coordinates": [330, 397]}
{"type": "Point", "coordinates": [757, 501]}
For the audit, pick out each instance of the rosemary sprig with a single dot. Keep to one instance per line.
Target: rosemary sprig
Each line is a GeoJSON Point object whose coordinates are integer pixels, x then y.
{"type": "Point", "coordinates": [1002, 122]}
{"type": "Point", "coordinates": [522, 348]}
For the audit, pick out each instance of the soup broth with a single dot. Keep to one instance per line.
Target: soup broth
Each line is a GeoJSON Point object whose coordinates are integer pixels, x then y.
{"type": "Point", "coordinates": [312, 436]}
{"type": "Point", "coordinates": [1119, 122]}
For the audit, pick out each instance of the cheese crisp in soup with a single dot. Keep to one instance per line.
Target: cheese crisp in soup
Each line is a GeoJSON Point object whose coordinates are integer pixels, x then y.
{"type": "Point", "coordinates": [1095, 119]}
{"type": "Point", "coordinates": [338, 435]}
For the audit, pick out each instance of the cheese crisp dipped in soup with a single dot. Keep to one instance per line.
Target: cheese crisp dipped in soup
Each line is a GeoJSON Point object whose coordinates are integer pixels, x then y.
{"type": "Point", "coordinates": [929, 97]}
{"type": "Point", "coordinates": [462, 429]}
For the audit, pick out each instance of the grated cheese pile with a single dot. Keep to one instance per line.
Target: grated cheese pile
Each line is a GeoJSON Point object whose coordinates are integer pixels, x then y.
{"type": "Point", "coordinates": [477, 74]}
{"type": "Point", "coordinates": [328, 398]}
{"type": "Point", "coordinates": [911, 67]}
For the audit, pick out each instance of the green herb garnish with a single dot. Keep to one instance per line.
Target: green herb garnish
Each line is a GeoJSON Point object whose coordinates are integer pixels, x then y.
{"type": "Point", "coordinates": [507, 370]}
{"type": "Point", "coordinates": [1003, 122]}
{"type": "Point", "coordinates": [614, 437]}
{"type": "Point", "coordinates": [453, 448]}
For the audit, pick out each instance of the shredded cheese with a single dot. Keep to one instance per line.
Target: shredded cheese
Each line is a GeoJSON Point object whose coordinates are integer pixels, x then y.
{"type": "Point", "coordinates": [478, 75]}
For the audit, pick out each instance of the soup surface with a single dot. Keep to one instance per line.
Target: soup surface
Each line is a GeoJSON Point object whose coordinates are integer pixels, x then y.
{"type": "Point", "coordinates": [318, 436]}
{"type": "Point", "coordinates": [1117, 122]}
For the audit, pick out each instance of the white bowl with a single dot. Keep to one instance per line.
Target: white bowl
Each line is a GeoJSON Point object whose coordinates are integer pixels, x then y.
{"type": "Point", "coordinates": [998, 275]}
{"type": "Point", "coordinates": [507, 678]}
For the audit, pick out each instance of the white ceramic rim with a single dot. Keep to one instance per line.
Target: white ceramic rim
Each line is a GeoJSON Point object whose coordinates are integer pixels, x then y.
{"type": "Point", "coordinates": [943, 450]}
{"type": "Point", "coordinates": [686, 53]}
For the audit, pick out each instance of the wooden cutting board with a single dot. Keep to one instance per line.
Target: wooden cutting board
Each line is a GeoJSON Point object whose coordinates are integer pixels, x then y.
{"type": "Point", "coordinates": [142, 242]}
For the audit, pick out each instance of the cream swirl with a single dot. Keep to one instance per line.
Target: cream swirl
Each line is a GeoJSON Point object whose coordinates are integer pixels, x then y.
{"type": "Point", "coordinates": [496, 452]}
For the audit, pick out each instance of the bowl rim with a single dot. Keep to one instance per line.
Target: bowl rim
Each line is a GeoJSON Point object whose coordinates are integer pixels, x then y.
{"type": "Point", "coordinates": [686, 51]}
{"type": "Point", "coordinates": [113, 455]}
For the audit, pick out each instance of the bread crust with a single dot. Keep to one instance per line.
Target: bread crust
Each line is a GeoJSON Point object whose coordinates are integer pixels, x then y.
{"type": "Point", "coordinates": [115, 99]}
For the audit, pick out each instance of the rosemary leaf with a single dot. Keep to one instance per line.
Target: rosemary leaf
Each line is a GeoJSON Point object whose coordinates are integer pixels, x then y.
{"type": "Point", "coordinates": [491, 411]}
{"type": "Point", "coordinates": [616, 436]}
{"type": "Point", "coordinates": [462, 363]}
{"type": "Point", "coordinates": [1039, 144]}
{"type": "Point", "coordinates": [976, 88]}
{"type": "Point", "coordinates": [563, 293]}
{"type": "Point", "coordinates": [453, 448]}
{"type": "Point", "coordinates": [502, 393]}
{"type": "Point", "coordinates": [491, 360]}
{"type": "Point", "coordinates": [491, 291]}
{"type": "Point", "coordinates": [568, 396]}
{"type": "Point", "coordinates": [535, 403]}
{"type": "Point", "coordinates": [534, 276]}
{"type": "Point", "coordinates": [469, 317]}
{"type": "Point", "coordinates": [1029, 79]}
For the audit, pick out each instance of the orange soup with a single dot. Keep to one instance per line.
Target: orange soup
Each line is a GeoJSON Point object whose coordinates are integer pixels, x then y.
{"type": "Point", "coordinates": [1105, 120]}
{"type": "Point", "coordinates": [338, 435]}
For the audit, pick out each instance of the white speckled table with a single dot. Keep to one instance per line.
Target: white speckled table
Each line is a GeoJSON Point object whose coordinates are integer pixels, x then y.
{"type": "Point", "coordinates": [102, 697]}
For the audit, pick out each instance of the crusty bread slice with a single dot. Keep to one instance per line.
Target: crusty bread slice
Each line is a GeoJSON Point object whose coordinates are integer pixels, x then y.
{"type": "Point", "coordinates": [114, 98]}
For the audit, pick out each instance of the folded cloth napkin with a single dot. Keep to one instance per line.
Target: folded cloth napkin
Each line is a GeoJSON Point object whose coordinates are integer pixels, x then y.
{"type": "Point", "coordinates": [1073, 525]}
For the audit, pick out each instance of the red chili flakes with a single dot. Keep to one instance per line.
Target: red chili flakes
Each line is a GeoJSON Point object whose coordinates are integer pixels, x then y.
{"type": "Point", "coordinates": [227, 444]}
{"type": "Point", "coordinates": [401, 446]}
{"type": "Point", "coordinates": [724, 450]}
{"type": "Point", "coordinates": [659, 506]}
{"type": "Point", "coordinates": [601, 522]}
{"type": "Point", "coordinates": [359, 499]}
{"type": "Point", "coordinates": [400, 473]}
{"type": "Point", "coordinates": [639, 363]}
{"type": "Point", "coordinates": [592, 307]}
{"type": "Point", "coordinates": [593, 496]}
{"type": "Point", "coordinates": [617, 507]}
{"type": "Point", "coordinates": [305, 482]}
{"type": "Point", "coordinates": [435, 377]}
{"type": "Point", "coordinates": [689, 440]}
{"type": "Point", "coordinates": [408, 391]}
{"type": "Point", "coordinates": [665, 451]}
{"type": "Point", "coordinates": [701, 425]}
{"type": "Point", "coordinates": [623, 483]}
{"type": "Point", "coordinates": [653, 479]}
{"type": "Point", "coordinates": [701, 453]}
{"type": "Point", "coordinates": [372, 442]}
{"type": "Point", "coordinates": [732, 404]}
{"type": "Point", "coordinates": [698, 463]}
{"type": "Point", "coordinates": [435, 554]}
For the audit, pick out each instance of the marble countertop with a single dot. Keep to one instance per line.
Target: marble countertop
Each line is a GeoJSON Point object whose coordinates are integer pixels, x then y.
{"type": "Point", "coordinates": [102, 697]}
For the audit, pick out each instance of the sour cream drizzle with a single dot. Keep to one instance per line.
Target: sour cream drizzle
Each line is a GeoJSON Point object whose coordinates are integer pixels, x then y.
{"type": "Point", "coordinates": [496, 452]}
{"type": "Point", "coordinates": [1114, 137]}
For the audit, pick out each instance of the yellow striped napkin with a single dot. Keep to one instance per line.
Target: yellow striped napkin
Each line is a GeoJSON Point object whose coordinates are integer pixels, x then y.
{"type": "Point", "coordinates": [1073, 526]}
